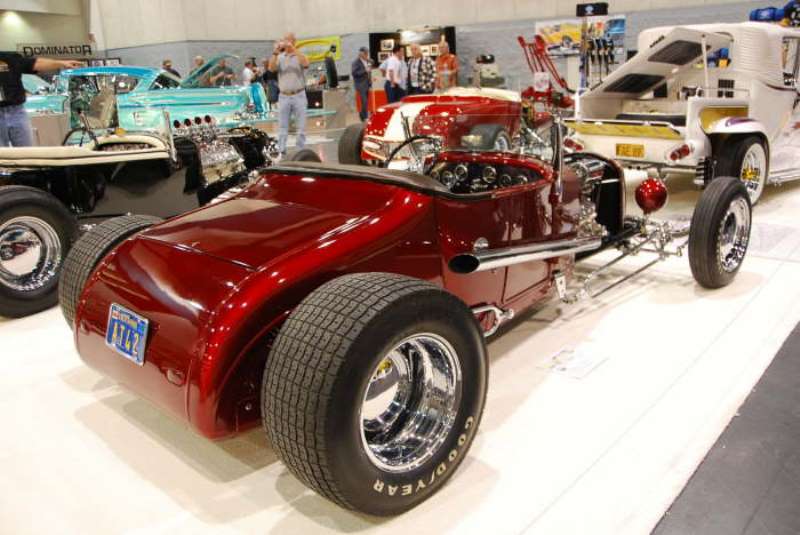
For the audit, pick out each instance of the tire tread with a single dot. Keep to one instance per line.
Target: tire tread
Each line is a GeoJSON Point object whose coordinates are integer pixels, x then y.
{"type": "Point", "coordinates": [89, 251]}
{"type": "Point", "coordinates": [304, 362]}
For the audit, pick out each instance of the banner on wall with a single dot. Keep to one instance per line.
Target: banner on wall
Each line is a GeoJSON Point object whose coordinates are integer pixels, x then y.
{"type": "Point", "coordinates": [563, 37]}
{"type": "Point", "coordinates": [316, 49]}
{"type": "Point", "coordinates": [60, 50]}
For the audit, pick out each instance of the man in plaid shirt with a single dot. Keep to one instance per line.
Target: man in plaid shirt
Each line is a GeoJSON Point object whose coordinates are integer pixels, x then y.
{"type": "Point", "coordinates": [421, 72]}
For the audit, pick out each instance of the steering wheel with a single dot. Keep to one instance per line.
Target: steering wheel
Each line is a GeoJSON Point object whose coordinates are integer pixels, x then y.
{"type": "Point", "coordinates": [422, 152]}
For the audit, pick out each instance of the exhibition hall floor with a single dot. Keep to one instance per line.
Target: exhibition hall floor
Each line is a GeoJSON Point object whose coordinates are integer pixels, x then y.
{"type": "Point", "coordinates": [597, 415]}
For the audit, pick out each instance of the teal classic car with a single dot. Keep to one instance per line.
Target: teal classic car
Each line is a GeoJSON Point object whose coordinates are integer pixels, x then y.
{"type": "Point", "coordinates": [134, 98]}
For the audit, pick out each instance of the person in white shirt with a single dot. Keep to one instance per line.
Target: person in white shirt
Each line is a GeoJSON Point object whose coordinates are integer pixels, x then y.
{"type": "Point", "coordinates": [396, 75]}
{"type": "Point", "coordinates": [247, 73]}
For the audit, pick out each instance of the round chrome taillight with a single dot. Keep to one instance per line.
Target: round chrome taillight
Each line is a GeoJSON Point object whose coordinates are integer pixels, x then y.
{"type": "Point", "coordinates": [651, 195]}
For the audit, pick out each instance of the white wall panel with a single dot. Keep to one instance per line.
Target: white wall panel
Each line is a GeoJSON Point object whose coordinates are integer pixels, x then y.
{"type": "Point", "coordinates": [140, 22]}
{"type": "Point", "coordinates": [27, 27]}
{"type": "Point", "coordinates": [55, 7]}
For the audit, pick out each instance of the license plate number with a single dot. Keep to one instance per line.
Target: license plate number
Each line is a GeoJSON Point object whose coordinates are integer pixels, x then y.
{"type": "Point", "coordinates": [126, 333]}
{"type": "Point", "coordinates": [627, 150]}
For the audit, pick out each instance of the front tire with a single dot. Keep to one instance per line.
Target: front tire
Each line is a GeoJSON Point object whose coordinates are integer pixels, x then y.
{"type": "Point", "coordinates": [89, 251]}
{"type": "Point", "coordinates": [374, 390]}
{"type": "Point", "coordinates": [36, 232]}
{"type": "Point", "coordinates": [746, 158]}
{"type": "Point", "coordinates": [350, 145]}
{"type": "Point", "coordinates": [720, 232]}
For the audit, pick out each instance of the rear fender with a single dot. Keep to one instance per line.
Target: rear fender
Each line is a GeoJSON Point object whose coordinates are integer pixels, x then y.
{"type": "Point", "coordinates": [226, 378]}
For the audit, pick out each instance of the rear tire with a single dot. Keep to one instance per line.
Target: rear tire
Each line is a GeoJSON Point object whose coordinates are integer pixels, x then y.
{"type": "Point", "coordinates": [89, 251]}
{"type": "Point", "coordinates": [720, 232]}
{"type": "Point", "coordinates": [747, 159]}
{"type": "Point", "coordinates": [350, 145]}
{"type": "Point", "coordinates": [304, 155]}
{"type": "Point", "coordinates": [36, 233]}
{"type": "Point", "coordinates": [346, 345]}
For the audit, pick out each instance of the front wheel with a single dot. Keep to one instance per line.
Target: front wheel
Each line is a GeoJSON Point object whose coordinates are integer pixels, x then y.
{"type": "Point", "coordinates": [720, 232]}
{"type": "Point", "coordinates": [36, 232]}
{"type": "Point", "coordinates": [374, 390]}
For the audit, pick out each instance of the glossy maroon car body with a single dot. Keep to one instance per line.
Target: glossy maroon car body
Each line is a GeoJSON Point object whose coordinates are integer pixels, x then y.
{"type": "Point", "coordinates": [449, 116]}
{"type": "Point", "coordinates": [216, 283]}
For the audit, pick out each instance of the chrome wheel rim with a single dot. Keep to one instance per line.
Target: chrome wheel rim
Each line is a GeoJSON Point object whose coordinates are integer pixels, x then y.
{"type": "Point", "coordinates": [411, 403]}
{"type": "Point", "coordinates": [30, 253]}
{"type": "Point", "coordinates": [754, 169]}
{"type": "Point", "coordinates": [734, 235]}
{"type": "Point", "coordinates": [501, 143]}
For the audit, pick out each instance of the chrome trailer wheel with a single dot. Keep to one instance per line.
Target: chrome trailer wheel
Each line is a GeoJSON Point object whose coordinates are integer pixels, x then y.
{"type": "Point", "coordinates": [36, 232]}
{"type": "Point", "coordinates": [30, 253]}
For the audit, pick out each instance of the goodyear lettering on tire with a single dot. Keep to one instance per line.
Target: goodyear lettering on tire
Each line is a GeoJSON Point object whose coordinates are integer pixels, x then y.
{"type": "Point", "coordinates": [406, 490]}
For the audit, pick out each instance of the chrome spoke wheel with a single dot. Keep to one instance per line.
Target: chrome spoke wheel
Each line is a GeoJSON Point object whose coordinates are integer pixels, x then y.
{"type": "Point", "coordinates": [734, 235]}
{"type": "Point", "coordinates": [754, 170]}
{"type": "Point", "coordinates": [30, 253]}
{"type": "Point", "coordinates": [410, 403]}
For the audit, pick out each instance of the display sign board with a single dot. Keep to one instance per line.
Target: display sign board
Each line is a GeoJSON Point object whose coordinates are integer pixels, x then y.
{"type": "Point", "coordinates": [62, 50]}
{"type": "Point", "coordinates": [316, 49]}
{"type": "Point", "coordinates": [563, 37]}
{"type": "Point", "coordinates": [591, 10]}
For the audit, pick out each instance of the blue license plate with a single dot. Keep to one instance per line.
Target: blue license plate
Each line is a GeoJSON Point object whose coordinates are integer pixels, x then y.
{"type": "Point", "coordinates": [126, 333]}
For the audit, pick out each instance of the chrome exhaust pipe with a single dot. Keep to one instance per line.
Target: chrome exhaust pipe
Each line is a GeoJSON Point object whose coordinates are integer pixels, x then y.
{"type": "Point", "coordinates": [487, 259]}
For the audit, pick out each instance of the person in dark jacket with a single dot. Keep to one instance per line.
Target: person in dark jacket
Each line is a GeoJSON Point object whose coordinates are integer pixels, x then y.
{"type": "Point", "coordinates": [360, 71]}
{"type": "Point", "coordinates": [270, 81]}
{"type": "Point", "coordinates": [15, 127]}
{"type": "Point", "coordinates": [167, 66]}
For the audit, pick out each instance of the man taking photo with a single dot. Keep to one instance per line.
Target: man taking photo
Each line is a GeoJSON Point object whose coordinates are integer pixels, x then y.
{"type": "Point", "coordinates": [290, 64]}
{"type": "Point", "coordinates": [15, 127]}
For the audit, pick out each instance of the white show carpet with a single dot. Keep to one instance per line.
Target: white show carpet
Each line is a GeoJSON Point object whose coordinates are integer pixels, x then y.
{"type": "Point", "coordinates": [597, 415]}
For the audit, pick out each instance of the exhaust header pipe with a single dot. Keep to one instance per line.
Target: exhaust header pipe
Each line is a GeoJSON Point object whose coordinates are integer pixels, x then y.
{"type": "Point", "coordinates": [487, 259]}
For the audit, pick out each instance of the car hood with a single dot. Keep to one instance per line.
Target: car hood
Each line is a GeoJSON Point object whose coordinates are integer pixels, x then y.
{"type": "Point", "coordinates": [280, 215]}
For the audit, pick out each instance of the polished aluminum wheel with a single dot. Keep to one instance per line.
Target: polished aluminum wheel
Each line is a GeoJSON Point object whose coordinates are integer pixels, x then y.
{"type": "Point", "coordinates": [411, 403]}
{"type": "Point", "coordinates": [754, 171]}
{"type": "Point", "coordinates": [30, 253]}
{"type": "Point", "coordinates": [734, 235]}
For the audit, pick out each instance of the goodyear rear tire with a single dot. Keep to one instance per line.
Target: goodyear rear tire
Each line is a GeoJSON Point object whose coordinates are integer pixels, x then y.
{"type": "Point", "coordinates": [350, 145]}
{"type": "Point", "coordinates": [304, 155]}
{"type": "Point", "coordinates": [36, 232]}
{"type": "Point", "coordinates": [89, 251]}
{"type": "Point", "coordinates": [374, 389]}
{"type": "Point", "coordinates": [720, 232]}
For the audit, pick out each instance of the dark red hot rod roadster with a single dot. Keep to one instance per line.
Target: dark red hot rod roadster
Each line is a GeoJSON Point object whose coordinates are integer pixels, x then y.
{"type": "Point", "coordinates": [345, 307]}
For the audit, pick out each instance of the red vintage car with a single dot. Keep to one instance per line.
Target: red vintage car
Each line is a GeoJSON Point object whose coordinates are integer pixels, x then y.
{"type": "Point", "coordinates": [460, 117]}
{"type": "Point", "coordinates": [345, 307]}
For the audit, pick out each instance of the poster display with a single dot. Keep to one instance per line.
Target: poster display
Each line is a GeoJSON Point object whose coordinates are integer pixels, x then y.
{"type": "Point", "coordinates": [316, 49]}
{"type": "Point", "coordinates": [563, 36]}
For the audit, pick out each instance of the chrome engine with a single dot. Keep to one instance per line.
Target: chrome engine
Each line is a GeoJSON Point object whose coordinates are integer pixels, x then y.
{"type": "Point", "coordinates": [590, 171]}
{"type": "Point", "coordinates": [219, 159]}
